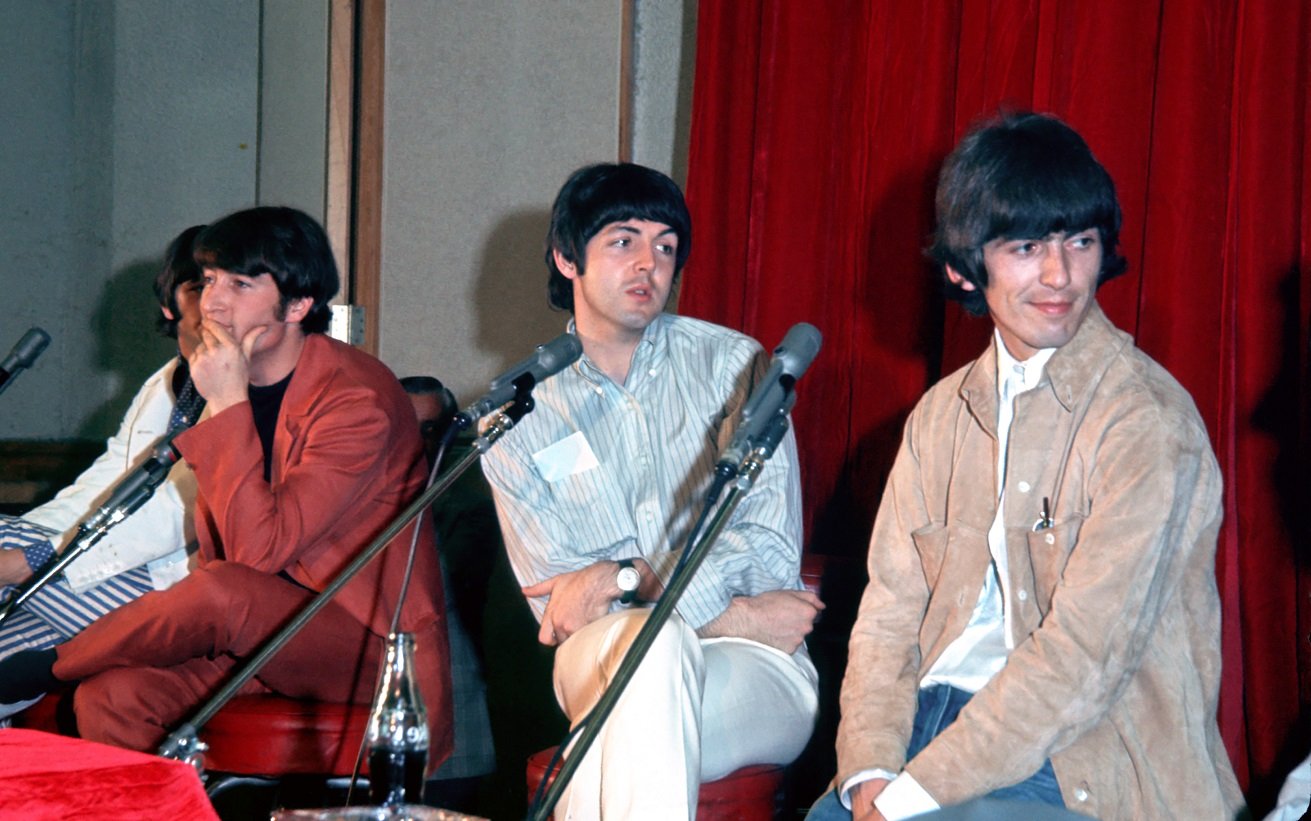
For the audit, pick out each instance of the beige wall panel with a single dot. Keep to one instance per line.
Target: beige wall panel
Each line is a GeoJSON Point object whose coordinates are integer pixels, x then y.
{"type": "Point", "coordinates": [489, 106]}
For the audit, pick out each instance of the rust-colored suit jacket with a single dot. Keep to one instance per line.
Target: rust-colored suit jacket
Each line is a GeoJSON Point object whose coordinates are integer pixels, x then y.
{"type": "Point", "coordinates": [347, 459]}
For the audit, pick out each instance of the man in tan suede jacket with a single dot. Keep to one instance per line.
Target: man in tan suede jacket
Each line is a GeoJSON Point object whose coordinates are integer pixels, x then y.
{"type": "Point", "coordinates": [1042, 622]}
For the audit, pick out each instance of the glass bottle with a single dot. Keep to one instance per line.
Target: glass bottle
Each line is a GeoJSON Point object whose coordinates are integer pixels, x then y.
{"type": "Point", "coordinates": [397, 736]}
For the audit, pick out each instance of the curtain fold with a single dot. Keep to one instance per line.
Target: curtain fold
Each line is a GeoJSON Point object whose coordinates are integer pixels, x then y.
{"type": "Point", "coordinates": [817, 131]}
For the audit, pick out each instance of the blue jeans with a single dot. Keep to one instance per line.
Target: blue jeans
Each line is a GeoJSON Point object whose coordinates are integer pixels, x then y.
{"type": "Point", "coordinates": [938, 707]}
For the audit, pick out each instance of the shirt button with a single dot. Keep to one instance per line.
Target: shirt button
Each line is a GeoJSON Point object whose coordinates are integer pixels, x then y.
{"type": "Point", "coordinates": [1081, 794]}
{"type": "Point", "coordinates": [1023, 595]}
{"type": "Point", "coordinates": [1025, 487]}
{"type": "Point", "coordinates": [1049, 539]}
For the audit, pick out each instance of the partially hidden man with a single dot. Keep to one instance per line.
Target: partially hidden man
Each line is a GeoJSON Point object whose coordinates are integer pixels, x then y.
{"type": "Point", "coordinates": [148, 551]}
{"type": "Point", "coordinates": [1042, 622]}
{"type": "Point", "coordinates": [306, 451]}
{"type": "Point", "coordinates": [597, 488]}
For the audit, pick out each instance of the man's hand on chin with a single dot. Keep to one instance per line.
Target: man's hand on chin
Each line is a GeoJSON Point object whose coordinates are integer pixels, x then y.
{"type": "Point", "coordinates": [220, 365]}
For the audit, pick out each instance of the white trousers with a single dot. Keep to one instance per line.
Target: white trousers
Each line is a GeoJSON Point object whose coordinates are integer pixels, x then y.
{"type": "Point", "coordinates": [695, 711]}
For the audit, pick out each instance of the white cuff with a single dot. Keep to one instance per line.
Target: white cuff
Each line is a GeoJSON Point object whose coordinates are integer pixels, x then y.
{"type": "Point", "coordinates": [904, 798]}
{"type": "Point", "coordinates": [844, 790]}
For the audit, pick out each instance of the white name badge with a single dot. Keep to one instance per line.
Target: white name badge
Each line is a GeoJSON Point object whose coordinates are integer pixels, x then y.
{"type": "Point", "coordinates": [565, 458]}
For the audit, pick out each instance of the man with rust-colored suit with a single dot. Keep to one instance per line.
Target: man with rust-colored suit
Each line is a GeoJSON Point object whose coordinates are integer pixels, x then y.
{"type": "Point", "coordinates": [307, 450]}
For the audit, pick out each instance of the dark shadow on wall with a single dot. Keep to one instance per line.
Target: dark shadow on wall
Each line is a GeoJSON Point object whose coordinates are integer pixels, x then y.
{"type": "Point", "coordinates": [129, 344]}
{"type": "Point", "coordinates": [513, 317]}
{"type": "Point", "coordinates": [1284, 416]}
{"type": "Point", "coordinates": [512, 309]}
{"type": "Point", "coordinates": [683, 108]}
{"type": "Point", "coordinates": [897, 315]}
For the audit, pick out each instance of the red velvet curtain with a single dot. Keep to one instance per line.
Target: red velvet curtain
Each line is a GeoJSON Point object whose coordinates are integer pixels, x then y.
{"type": "Point", "coordinates": [817, 131]}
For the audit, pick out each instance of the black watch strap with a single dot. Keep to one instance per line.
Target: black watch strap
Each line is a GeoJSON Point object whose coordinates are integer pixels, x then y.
{"type": "Point", "coordinates": [628, 596]}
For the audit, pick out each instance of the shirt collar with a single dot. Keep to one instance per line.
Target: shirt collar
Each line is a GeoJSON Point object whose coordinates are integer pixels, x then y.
{"type": "Point", "coordinates": [1080, 363]}
{"type": "Point", "coordinates": [649, 357]}
{"type": "Point", "coordinates": [1029, 372]}
{"type": "Point", "coordinates": [1073, 371]}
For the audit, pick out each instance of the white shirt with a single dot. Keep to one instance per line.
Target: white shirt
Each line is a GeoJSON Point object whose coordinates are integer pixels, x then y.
{"type": "Point", "coordinates": [158, 533]}
{"type": "Point", "coordinates": [981, 650]}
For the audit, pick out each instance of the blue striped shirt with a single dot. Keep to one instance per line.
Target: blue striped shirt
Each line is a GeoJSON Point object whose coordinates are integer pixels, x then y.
{"type": "Point", "coordinates": [655, 440]}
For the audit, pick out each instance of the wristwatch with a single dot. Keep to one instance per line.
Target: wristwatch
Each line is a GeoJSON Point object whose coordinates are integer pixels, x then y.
{"type": "Point", "coordinates": [628, 579]}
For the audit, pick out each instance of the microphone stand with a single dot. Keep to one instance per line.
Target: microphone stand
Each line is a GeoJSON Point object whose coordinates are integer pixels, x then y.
{"type": "Point", "coordinates": [184, 743]}
{"type": "Point", "coordinates": [592, 723]}
{"type": "Point", "coordinates": [86, 538]}
{"type": "Point", "coordinates": [139, 486]}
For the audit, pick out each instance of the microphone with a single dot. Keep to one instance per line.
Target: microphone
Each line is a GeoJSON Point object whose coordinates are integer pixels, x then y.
{"type": "Point", "coordinates": [129, 494]}
{"type": "Point", "coordinates": [773, 396]}
{"type": "Point", "coordinates": [139, 485]}
{"type": "Point", "coordinates": [547, 360]}
{"type": "Point", "coordinates": [23, 355]}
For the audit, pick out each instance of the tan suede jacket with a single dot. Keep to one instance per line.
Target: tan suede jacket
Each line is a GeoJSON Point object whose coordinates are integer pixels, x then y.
{"type": "Point", "coordinates": [1116, 669]}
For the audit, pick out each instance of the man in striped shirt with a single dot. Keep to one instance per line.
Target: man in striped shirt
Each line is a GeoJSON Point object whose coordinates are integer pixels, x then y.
{"type": "Point", "coordinates": [148, 550]}
{"type": "Point", "coordinates": [597, 490]}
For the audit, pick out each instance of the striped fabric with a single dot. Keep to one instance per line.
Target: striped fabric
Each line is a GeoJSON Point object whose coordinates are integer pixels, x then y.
{"type": "Point", "coordinates": [31, 538]}
{"type": "Point", "coordinates": [69, 613]}
{"type": "Point", "coordinates": [56, 613]}
{"type": "Point", "coordinates": [23, 631]}
{"type": "Point", "coordinates": [655, 441]}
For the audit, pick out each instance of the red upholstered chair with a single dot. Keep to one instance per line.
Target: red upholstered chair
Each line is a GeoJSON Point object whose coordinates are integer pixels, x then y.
{"type": "Point", "coordinates": [264, 738]}
{"type": "Point", "coordinates": [813, 566]}
{"type": "Point", "coordinates": [753, 793]}
{"type": "Point", "coordinates": [274, 736]}
{"type": "Point", "coordinates": [296, 745]}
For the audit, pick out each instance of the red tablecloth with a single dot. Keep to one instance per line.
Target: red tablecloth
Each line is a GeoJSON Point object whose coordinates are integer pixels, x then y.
{"type": "Point", "coordinates": [45, 776]}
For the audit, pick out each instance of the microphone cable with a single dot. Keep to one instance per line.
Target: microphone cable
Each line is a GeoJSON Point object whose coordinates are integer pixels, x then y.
{"type": "Point", "coordinates": [449, 436]}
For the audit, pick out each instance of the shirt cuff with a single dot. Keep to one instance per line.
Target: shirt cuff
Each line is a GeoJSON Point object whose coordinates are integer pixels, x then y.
{"type": "Point", "coordinates": [904, 798]}
{"type": "Point", "coordinates": [844, 791]}
{"type": "Point", "coordinates": [38, 554]}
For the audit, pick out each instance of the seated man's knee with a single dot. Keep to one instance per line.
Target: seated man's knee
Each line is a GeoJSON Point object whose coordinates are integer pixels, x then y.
{"type": "Point", "coordinates": [829, 808]}
{"type": "Point", "coordinates": [209, 589]}
{"type": "Point", "coordinates": [675, 642]}
{"type": "Point", "coordinates": [678, 641]}
{"type": "Point", "coordinates": [111, 708]}
{"type": "Point", "coordinates": [675, 647]}
{"type": "Point", "coordinates": [590, 659]}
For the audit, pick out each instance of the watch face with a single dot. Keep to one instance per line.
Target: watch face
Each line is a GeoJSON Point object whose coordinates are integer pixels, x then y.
{"type": "Point", "coordinates": [628, 578]}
